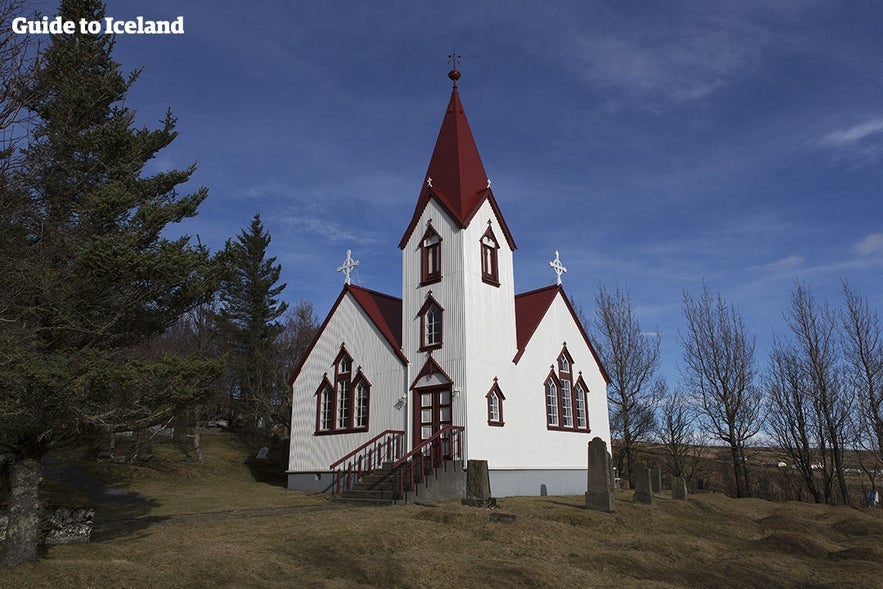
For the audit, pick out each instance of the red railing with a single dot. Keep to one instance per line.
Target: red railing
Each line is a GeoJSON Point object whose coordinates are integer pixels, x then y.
{"type": "Point", "coordinates": [386, 446]}
{"type": "Point", "coordinates": [412, 468]}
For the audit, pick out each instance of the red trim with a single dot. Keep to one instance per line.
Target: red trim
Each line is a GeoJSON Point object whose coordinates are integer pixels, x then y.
{"type": "Point", "coordinates": [430, 301]}
{"type": "Point", "coordinates": [430, 368]}
{"type": "Point", "coordinates": [490, 275]}
{"type": "Point", "coordinates": [318, 394]}
{"type": "Point", "coordinates": [581, 383]}
{"type": "Point", "coordinates": [495, 391]}
{"type": "Point", "coordinates": [428, 275]}
{"type": "Point", "coordinates": [558, 378]}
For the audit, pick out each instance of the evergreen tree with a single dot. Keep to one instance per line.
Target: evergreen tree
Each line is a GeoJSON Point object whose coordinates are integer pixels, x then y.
{"type": "Point", "coordinates": [250, 311]}
{"type": "Point", "coordinates": [87, 272]}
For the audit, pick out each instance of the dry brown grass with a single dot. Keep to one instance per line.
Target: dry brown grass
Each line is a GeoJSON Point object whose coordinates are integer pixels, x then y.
{"type": "Point", "coordinates": [708, 541]}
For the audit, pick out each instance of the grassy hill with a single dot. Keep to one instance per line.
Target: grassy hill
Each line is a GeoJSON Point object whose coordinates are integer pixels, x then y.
{"type": "Point", "coordinates": [211, 525]}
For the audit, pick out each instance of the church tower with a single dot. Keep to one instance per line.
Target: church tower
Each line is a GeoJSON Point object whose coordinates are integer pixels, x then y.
{"type": "Point", "coordinates": [458, 297]}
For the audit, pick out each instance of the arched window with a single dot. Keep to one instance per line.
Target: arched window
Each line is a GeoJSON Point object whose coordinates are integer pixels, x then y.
{"type": "Point", "coordinates": [551, 402]}
{"type": "Point", "coordinates": [495, 400]}
{"type": "Point", "coordinates": [362, 391]}
{"type": "Point", "coordinates": [342, 404]}
{"type": "Point", "coordinates": [430, 257]}
{"type": "Point", "coordinates": [566, 396]}
{"type": "Point", "coordinates": [489, 262]}
{"type": "Point", "coordinates": [431, 324]}
{"type": "Point", "coordinates": [325, 407]}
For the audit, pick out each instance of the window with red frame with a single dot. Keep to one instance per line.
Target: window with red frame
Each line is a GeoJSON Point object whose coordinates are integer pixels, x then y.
{"type": "Point", "coordinates": [430, 257]}
{"type": "Point", "coordinates": [342, 405]}
{"type": "Point", "coordinates": [495, 400]}
{"type": "Point", "coordinates": [566, 397]}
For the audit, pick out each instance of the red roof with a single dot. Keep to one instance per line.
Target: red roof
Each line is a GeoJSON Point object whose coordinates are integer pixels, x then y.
{"type": "Point", "coordinates": [386, 313]}
{"type": "Point", "coordinates": [531, 307]}
{"type": "Point", "coordinates": [459, 182]}
{"type": "Point", "coordinates": [383, 310]}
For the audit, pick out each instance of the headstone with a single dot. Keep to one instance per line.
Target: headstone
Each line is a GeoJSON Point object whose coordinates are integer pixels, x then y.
{"type": "Point", "coordinates": [643, 486]}
{"type": "Point", "coordinates": [478, 485]}
{"type": "Point", "coordinates": [679, 488]}
{"type": "Point", "coordinates": [262, 453]}
{"type": "Point", "coordinates": [873, 499]}
{"type": "Point", "coordinates": [763, 488]}
{"type": "Point", "coordinates": [656, 480]}
{"type": "Point", "coordinates": [599, 494]}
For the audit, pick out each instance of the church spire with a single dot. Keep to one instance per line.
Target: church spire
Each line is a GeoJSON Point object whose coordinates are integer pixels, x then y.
{"type": "Point", "coordinates": [456, 177]}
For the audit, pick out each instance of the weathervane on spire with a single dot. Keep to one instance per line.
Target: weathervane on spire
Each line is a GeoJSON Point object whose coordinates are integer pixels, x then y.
{"type": "Point", "coordinates": [558, 267]}
{"type": "Point", "coordinates": [348, 264]}
{"type": "Point", "coordinates": [454, 60]}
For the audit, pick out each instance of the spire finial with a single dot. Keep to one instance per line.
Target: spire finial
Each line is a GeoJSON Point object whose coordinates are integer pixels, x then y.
{"type": "Point", "coordinates": [348, 265]}
{"type": "Point", "coordinates": [557, 266]}
{"type": "Point", "coordinates": [454, 60]}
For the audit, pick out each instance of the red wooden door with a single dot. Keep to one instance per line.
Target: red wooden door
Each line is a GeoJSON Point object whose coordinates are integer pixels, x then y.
{"type": "Point", "coordinates": [432, 412]}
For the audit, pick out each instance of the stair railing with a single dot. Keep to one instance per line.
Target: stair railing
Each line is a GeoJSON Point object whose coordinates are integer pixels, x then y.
{"type": "Point", "coordinates": [412, 468]}
{"type": "Point", "coordinates": [386, 446]}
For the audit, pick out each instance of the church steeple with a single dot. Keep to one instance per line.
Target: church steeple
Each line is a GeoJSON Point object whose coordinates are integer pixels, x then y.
{"type": "Point", "coordinates": [456, 177]}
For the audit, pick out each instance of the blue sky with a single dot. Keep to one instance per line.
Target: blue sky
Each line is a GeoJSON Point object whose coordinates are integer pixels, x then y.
{"type": "Point", "coordinates": [657, 145]}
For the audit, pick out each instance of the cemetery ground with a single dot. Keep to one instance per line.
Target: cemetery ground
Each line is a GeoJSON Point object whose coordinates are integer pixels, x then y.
{"type": "Point", "coordinates": [188, 525]}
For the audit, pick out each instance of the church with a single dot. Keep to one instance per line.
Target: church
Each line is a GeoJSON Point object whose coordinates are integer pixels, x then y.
{"type": "Point", "coordinates": [460, 367]}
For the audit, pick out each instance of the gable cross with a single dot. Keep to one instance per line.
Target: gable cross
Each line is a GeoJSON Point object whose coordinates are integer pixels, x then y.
{"type": "Point", "coordinates": [557, 266]}
{"type": "Point", "coordinates": [348, 264]}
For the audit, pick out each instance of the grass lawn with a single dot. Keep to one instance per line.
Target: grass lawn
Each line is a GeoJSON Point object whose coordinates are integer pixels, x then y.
{"type": "Point", "coordinates": [211, 525]}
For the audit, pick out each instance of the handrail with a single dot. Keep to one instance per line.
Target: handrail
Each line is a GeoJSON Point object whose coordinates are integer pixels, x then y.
{"type": "Point", "coordinates": [425, 443]}
{"type": "Point", "coordinates": [436, 456]}
{"type": "Point", "coordinates": [365, 445]}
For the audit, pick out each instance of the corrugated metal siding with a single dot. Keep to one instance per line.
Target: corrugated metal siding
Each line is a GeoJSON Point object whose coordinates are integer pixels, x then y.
{"type": "Point", "coordinates": [370, 351]}
{"type": "Point", "coordinates": [525, 442]}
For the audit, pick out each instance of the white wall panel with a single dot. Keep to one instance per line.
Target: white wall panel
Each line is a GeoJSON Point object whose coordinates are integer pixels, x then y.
{"type": "Point", "coordinates": [379, 363]}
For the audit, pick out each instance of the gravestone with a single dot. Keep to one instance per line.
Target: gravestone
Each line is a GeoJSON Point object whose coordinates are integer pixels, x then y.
{"type": "Point", "coordinates": [599, 494]}
{"type": "Point", "coordinates": [262, 453]}
{"type": "Point", "coordinates": [643, 486]}
{"type": "Point", "coordinates": [656, 480]}
{"type": "Point", "coordinates": [679, 488]}
{"type": "Point", "coordinates": [478, 485]}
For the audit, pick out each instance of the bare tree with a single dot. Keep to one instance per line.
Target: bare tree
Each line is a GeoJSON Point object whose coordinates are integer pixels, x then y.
{"type": "Point", "coordinates": [299, 328]}
{"type": "Point", "coordinates": [863, 351]}
{"type": "Point", "coordinates": [631, 359]}
{"type": "Point", "coordinates": [791, 415]}
{"type": "Point", "coordinates": [677, 431]}
{"type": "Point", "coordinates": [815, 346]}
{"type": "Point", "coordinates": [719, 369]}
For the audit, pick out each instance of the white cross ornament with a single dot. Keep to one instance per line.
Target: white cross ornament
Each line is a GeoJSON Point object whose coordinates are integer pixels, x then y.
{"type": "Point", "coordinates": [348, 264]}
{"type": "Point", "coordinates": [557, 266]}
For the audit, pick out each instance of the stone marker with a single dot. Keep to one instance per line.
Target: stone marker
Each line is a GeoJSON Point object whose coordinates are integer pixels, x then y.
{"type": "Point", "coordinates": [478, 485]}
{"type": "Point", "coordinates": [656, 480]}
{"type": "Point", "coordinates": [643, 486]}
{"type": "Point", "coordinates": [599, 495]}
{"type": "Point", "coordinates": [262, 453]}
{"type": "Point", "coordinates": [679, 488]}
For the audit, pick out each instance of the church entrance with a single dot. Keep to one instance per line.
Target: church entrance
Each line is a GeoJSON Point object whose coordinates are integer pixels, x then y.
{"type": "Point", "coordinates": [432, 412]}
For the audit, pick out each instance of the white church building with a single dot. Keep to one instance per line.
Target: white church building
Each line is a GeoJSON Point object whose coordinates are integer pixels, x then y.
{"type": "Point", "coordinates": [460, 365]}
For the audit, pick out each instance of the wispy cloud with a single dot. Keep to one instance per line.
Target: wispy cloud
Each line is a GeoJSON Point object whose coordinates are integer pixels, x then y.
{"type": "Point", "coordinates": [786, 263]}
{"type": "Point", "coordinates": [871, 244]}
{"type": "Point", "coordinates": [855, 134]}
